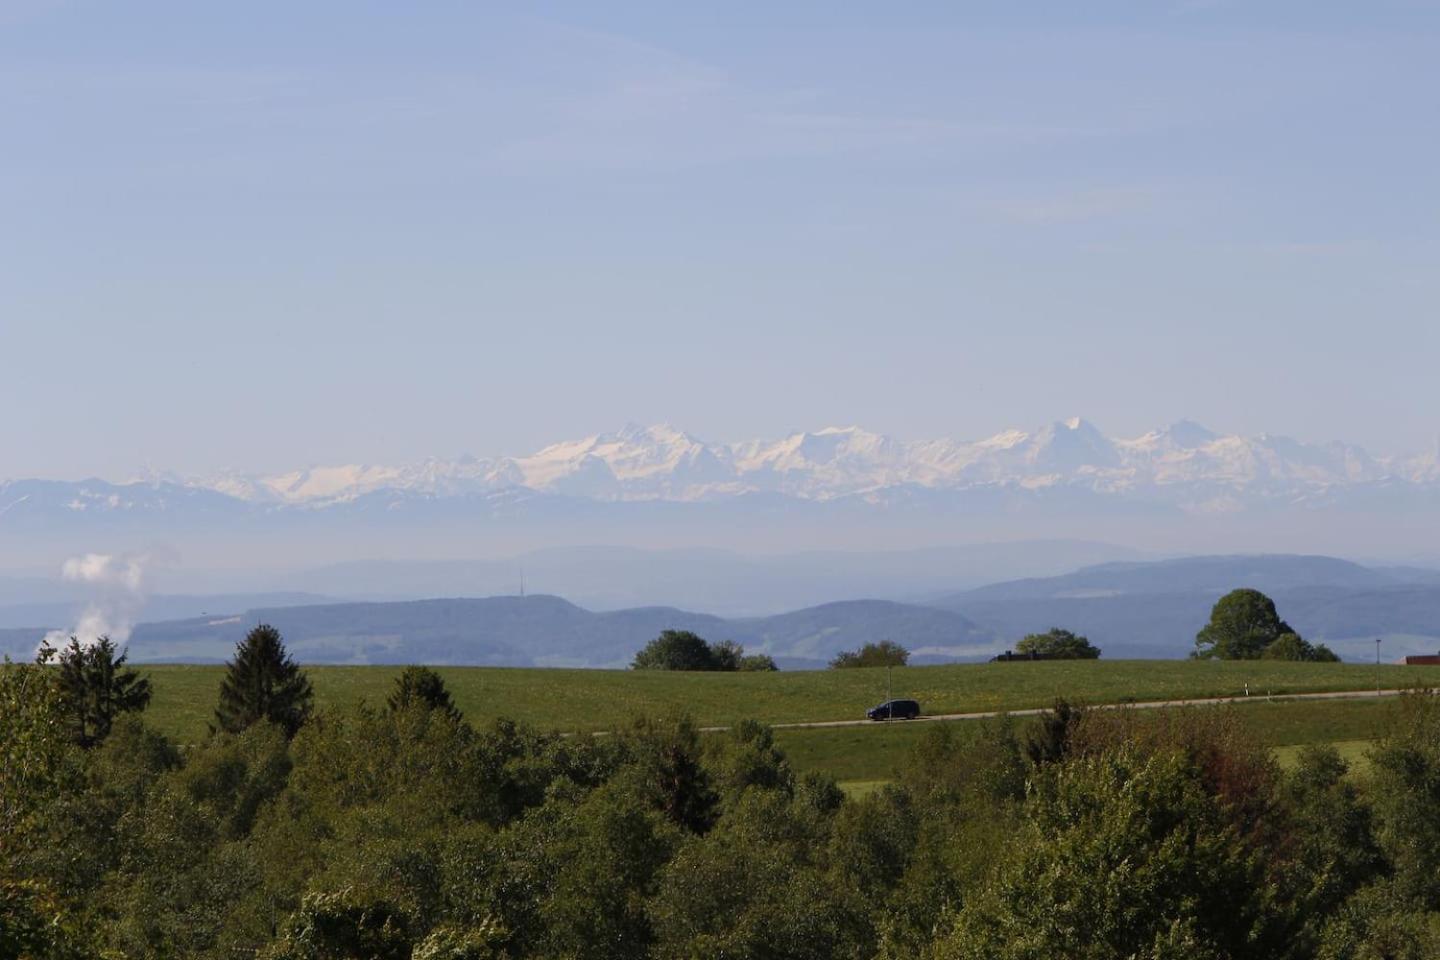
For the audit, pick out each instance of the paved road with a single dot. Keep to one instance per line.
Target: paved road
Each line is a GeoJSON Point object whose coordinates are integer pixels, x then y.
{"type": "Point", "coordinates": [1145, 705]}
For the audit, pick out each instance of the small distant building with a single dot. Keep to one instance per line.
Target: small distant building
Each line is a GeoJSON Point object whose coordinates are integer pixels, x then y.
{"type": "Point", "coordinates": [1008, 655]}
{"type": "Point", "coordinates": [1423, 660]}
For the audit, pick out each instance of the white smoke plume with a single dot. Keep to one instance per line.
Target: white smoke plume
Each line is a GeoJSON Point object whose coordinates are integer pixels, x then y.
{"type": "Point", "coordinates": [119, 584]}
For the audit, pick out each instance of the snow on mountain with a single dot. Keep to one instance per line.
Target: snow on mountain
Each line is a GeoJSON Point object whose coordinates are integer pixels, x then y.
{"type": "Point", "coordinates": [1424, 468]}
{"type": "Point", "coordinates": [830, 462]}
{"type": "Point", "coordinates": [1183, 465]}
{"type": "Point", "coordinates": [646, 462]}
{"type": "Point", "coordinates": [1069, 448]}
{"type": "Point", "coordinates": [1180, 436]}
{"type": "Point", "coordinates": [328, 483]}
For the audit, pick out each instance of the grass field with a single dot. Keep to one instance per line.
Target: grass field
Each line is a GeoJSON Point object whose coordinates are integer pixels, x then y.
{"type": "Point", "coordinates": [591, 700]}
{"type": "Point", "coordinates": [1354, 752]}
{"type": "Point", "coordinates": [861, 757]}
{"type": "Point", "coordinates": [869, 755]}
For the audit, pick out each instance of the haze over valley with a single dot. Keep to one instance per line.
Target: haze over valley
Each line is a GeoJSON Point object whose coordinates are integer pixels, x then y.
{"type": "Point", "coordinates": [1132, 609]}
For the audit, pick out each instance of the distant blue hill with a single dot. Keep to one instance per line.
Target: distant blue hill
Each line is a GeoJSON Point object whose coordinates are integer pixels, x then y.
{"type": "Point", "coordinates": [1128, 609]}
{"type": "Point", "coordinates": [1155, 609]}
{"type": "Point", "coordinates": [550, 631]}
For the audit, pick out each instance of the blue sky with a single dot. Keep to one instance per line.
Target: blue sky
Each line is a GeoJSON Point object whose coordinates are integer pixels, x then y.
{"type": "Point", "coordinates": [264, 235]}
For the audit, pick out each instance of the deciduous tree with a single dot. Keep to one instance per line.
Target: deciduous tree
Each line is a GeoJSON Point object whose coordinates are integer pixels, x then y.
{"type": "Point", "coordinates": [1058, 644]}
{"type": "Point", "coordinates": [1123, 856]}
{"type": "Point", "coordinates": [1242, 624]}
{"type": "Point", "coordinates": [676, 650]}
{"type": "Point", "coordinates": [886, 653]}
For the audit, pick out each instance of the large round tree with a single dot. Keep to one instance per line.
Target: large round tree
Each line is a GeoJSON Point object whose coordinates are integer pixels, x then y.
{"type": "Point", "coordinates": [263, 683]}
{"type": "Point", "coordinates": [1058, 644]}
{"type": "Point", "coordinates": [676, 650]}
{"type": "Point", "coordinates": [1244, 625]}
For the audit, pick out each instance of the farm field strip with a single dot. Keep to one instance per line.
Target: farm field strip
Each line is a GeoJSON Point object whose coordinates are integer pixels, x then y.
{"type": "Point", "coordinates": [875, 754]}
{"type": "Point", "coordinates": [597, 700]}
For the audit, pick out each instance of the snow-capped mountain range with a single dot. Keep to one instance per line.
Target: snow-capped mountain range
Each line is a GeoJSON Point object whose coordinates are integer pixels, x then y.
{"type": "Point", "coordinates": [1183, 465]}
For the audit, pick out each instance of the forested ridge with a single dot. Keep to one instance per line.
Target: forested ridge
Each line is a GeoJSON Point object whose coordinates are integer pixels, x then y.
{"type": "Point", "coordinates": [401, 830]}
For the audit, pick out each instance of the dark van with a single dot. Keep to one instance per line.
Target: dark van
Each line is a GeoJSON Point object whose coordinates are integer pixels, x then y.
{"type": "Point", "coordinates": [894, 710]}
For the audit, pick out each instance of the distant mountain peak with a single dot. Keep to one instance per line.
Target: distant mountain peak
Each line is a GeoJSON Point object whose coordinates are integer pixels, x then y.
{"type": "Point", "coordinates": [1188, 433]}
{"type": "Point", "coordinates": [1182, 435]}
{"type": "Point", "coordinates": [1184, 465]}
{"type": "Point", "coordinates": [1005, 439]}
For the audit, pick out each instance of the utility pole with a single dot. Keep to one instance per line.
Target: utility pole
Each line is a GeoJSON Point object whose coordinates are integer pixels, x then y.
{"type": "Point", "coordinates": [1377, 666]}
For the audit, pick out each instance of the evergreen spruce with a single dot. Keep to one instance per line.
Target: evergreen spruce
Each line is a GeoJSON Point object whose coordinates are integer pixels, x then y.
{"type": "Point", "coordinates": [263, 683]}
{"type": "Point", "coordinates": [96, 687]}
{"type": "Point", "coordinates": [421, 685]}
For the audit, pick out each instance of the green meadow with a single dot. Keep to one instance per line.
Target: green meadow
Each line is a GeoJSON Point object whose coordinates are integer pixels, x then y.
{"type": "Point", "coordinates": [872, 754]}
{"type": "Point", "coordinates": [581, 701]}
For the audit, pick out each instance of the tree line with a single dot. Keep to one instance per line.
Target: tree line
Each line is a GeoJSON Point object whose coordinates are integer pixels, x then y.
{"type": "Point", "coordinates": [1244, 625]}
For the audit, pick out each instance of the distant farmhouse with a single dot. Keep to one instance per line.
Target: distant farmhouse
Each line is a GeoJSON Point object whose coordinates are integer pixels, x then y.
{"type": "Point", "coordinates": [1423, 660]}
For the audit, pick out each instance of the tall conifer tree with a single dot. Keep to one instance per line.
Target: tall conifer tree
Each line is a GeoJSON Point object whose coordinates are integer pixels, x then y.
{"type": "Point", "coordinates": [96, 687]}
{"type": "Point", "coordinates": [263, 683]}
{"type": "Point", "coordinates": [421, 685]}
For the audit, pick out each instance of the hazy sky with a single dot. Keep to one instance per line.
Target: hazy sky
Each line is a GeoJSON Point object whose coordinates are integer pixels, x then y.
{"type": "Point", "coordinates": [270, 234]}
